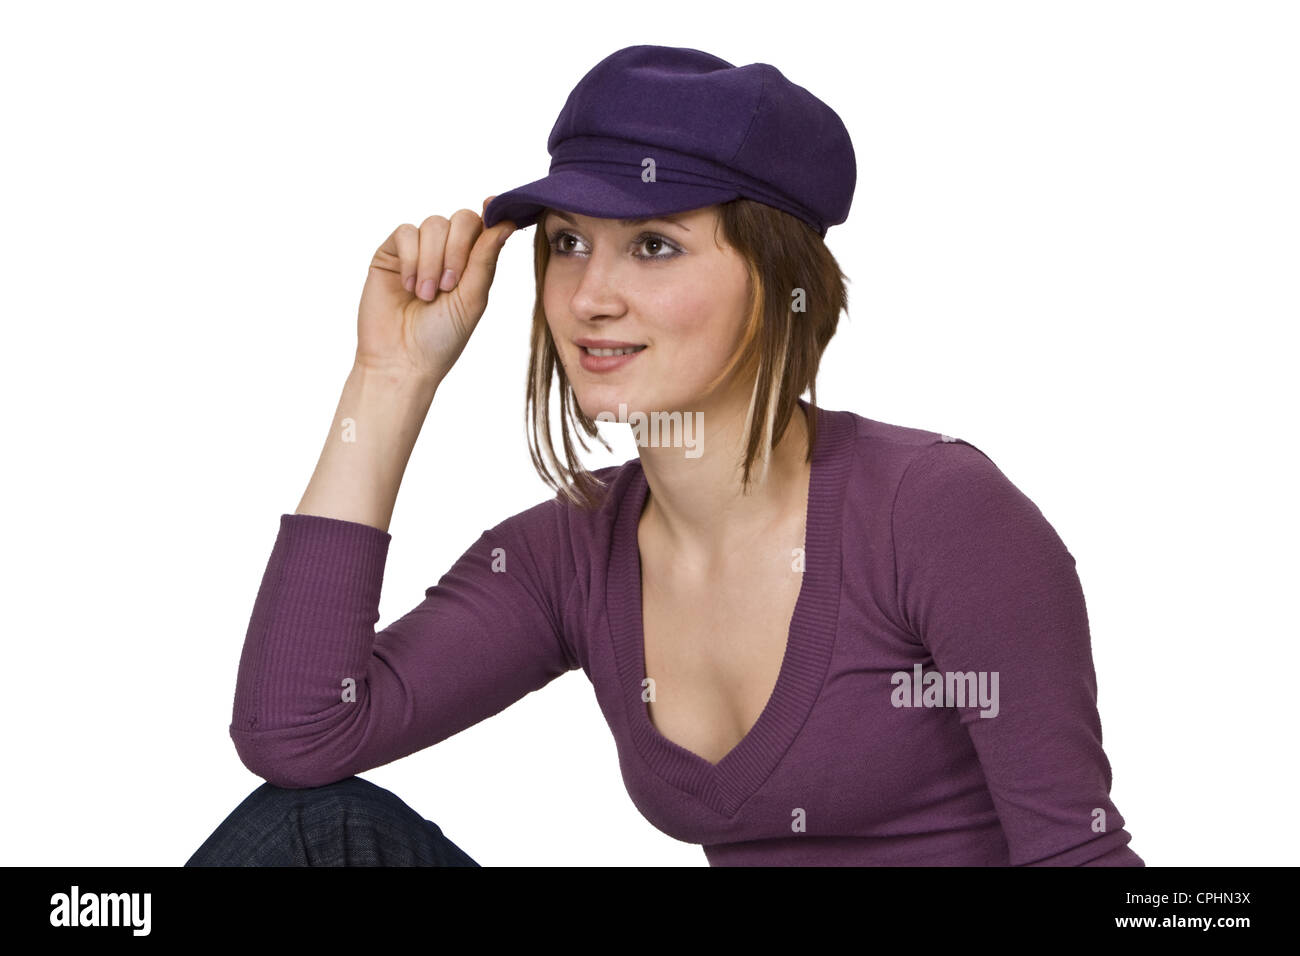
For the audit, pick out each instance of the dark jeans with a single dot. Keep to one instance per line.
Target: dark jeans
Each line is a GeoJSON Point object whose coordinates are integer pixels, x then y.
{"type": "Point", "coordinates": [349, 823]}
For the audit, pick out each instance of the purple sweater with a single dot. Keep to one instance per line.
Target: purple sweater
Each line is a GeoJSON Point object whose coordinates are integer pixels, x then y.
{"type": "Point", "coordinates": [927, 572]}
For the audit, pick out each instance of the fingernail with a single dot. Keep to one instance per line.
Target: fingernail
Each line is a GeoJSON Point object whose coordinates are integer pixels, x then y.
{"type": "Point", "coordinates": [409, 283]}
{"type": "Point", "coordinates": [426, 289]}
{"type": "Point", "coordinates": [448, 280]}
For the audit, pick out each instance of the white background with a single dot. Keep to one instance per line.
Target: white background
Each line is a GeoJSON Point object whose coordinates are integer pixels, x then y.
{"type": "Point", "coordinates": [1073, 243]}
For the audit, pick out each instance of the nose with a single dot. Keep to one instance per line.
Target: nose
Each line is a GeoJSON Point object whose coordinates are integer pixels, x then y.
{"type": "Point", "coordinates": [597, 292]}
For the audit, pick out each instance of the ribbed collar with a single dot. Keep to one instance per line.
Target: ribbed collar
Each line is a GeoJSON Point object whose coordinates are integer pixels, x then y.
{"type": "Point", "coordinates": [727, 785]}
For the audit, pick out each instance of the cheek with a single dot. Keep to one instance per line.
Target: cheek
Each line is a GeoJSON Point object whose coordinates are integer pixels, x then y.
{"type": "Point", "coordinates": [554, 302]}
{"type": "Point", "coordinates": [701, 318]}
{"type": "Point", "coordinates": [550, 292]}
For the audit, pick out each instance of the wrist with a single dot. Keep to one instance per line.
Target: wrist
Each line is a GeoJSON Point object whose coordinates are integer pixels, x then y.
{"type": "Point", "coordinates": [398, 382]}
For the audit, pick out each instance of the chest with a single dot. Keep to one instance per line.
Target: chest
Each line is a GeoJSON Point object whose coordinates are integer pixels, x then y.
{"type": "Point", "coordinates": [714, 643]}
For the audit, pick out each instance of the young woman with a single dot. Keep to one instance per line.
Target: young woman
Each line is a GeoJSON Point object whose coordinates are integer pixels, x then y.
{"type": "Point", "coordinates": [817, 638]}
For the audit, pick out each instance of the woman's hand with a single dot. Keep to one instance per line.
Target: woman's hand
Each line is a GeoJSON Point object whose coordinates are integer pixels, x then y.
{"type": "Point", "coordinates": [414, 321]}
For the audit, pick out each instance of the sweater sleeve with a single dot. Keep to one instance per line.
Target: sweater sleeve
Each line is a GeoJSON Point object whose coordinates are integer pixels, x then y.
{"type": "Point", "coordinates": [986, 584]}
{"type": "Point", "coordinates": [321, 696]}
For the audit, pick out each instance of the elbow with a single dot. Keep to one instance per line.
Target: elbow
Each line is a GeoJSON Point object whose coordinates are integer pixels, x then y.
{"type": "Point", "coordinates": [265, 760]}
{"type": "Point", "coordinates": [1095, 853]}
{"type": "Point", "coordinates": [1120, 856]}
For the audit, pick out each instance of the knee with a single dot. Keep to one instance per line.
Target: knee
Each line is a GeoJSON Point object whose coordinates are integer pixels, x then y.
{"type": "Point", "coordinates": [351, 791]}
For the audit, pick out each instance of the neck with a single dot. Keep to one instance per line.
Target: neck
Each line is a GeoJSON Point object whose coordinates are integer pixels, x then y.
{"type": "Point", "coordinates": [696, 506]}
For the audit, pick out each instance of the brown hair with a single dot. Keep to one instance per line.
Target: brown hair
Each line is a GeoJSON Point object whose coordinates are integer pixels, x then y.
{"type": "Point", "coordinates": [780, 348]}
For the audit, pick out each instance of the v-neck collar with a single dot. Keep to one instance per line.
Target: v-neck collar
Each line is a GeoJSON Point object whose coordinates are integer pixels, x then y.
{"type": "Point", "coordinates": [725, 786]}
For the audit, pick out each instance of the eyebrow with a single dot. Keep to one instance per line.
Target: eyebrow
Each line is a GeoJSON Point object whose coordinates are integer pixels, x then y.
{"type": "Point", "coordinates": [623, 222]}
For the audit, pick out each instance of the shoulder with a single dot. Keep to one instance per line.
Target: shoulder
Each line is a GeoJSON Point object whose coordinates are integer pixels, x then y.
{"type": "Point", "coordinates": [948, 500]}
{"type": "Point", "coordinates": [902, 449]}
{"type": "Point", "coordinates": [893, 464]}
{"type": "Point", "coordinates": [558, 530]}
{"type": "Point", "coordinates": [556, 551]}
{"type": "Point", "coordinates": [920, 486]}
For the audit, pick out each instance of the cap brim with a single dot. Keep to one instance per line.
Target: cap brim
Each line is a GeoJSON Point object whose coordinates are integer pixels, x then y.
{"type": "Point", "coordinates": [590, 194]}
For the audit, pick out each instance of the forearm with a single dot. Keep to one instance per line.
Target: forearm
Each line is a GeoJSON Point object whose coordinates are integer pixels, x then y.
{"type": "Point", "coordinates": [375, 427]}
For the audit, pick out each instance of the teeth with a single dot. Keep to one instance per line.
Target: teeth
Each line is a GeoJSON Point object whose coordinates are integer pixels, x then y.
{"type": "Point", "coordinates": [623, 351]}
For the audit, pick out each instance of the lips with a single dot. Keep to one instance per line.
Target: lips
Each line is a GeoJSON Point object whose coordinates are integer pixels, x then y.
{"type": "Point", "coordinates": [607, 358]}
{"type": "Point", "coordinates": [621, 350]}
{"type": "Point", "coordinates": [605, 344]}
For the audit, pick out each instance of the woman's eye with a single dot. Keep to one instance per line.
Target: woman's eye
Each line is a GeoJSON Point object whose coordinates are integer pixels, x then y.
{"type": "Point", "coordinates": [660, 243]}
{"type": "Point", "coordinates": [658, 247]}
{"type": "Point", "coordinates": [557, 243]}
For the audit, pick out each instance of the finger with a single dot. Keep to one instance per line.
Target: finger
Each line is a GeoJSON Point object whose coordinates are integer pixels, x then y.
{"type": "Point", "coordinates": [389, 250]}
{"type": "Point", "coordinates": [465, 227]}
{"type": "Point", "coordinates": [485, 204]}
{"type": "Point", "coordinates": [406, 245]}
{"type": "Point", "coordinates": [433, 238]}
{"type": "Point", "coordinates": [482, 265]}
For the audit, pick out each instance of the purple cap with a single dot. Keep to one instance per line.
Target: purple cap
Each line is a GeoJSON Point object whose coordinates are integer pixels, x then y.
{"type": "Point", "coordinates": [656, 130]}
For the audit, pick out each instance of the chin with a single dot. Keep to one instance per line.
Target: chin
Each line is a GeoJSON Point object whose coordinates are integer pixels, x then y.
{"type": "Point", "coordinates": [605, 398]}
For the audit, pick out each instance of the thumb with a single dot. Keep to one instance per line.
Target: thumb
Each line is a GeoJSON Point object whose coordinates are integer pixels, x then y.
{"type": "Point", "coordinates": [482, 265]}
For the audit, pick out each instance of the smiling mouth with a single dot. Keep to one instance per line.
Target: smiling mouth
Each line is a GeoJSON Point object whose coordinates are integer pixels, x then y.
{"type": "Point", "coordinates": [628, 350]}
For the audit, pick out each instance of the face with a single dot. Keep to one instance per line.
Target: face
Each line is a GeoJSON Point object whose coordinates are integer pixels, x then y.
{"type": "Point", "coordinates": [668, 285]}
